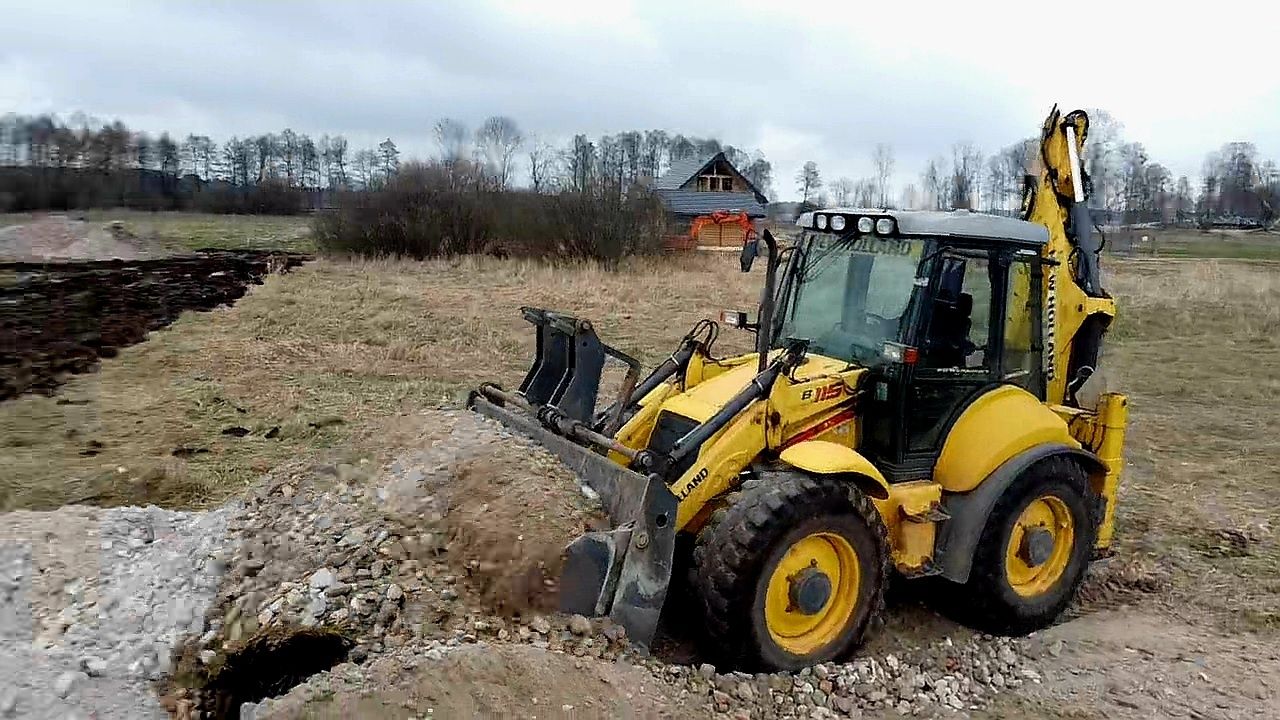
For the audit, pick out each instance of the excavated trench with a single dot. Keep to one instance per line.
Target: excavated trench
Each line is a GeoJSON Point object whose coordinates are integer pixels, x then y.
{"type": "Point", "coordinates": [270, 664]}
{"type": "Point", "coordinates": [59, 319]}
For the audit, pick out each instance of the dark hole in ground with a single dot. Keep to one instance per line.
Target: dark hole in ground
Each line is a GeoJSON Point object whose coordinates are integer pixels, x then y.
{"type": "Point", "coordinates": [268, 665]}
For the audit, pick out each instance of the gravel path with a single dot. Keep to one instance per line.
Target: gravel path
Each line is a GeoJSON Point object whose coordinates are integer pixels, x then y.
{"type": "Point", "coordinates": [92, 603]}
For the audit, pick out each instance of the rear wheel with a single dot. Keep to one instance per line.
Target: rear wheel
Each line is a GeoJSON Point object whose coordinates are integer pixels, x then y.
{"type": "Point", "coordinates": [792, 572]}
{"type": "Point", "coordinates": [1033, 552]}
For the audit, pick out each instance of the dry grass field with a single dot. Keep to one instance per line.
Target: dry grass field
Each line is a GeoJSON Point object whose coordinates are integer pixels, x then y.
{"type": "Point", "coordinates": [318, 365]}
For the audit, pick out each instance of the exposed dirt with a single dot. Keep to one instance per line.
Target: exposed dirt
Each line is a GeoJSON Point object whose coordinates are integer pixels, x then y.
{"type": "Point", "coordinates": [59, 319]}
{"type": "Point", "coordinates": [59, 237]}
{"type": "Point", "coordinates": [487, 680]}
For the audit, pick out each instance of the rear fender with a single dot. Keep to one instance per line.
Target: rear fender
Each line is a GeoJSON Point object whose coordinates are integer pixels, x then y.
{"type": "Point", "coordinates": [969, 511]}
{"type": "Point", "coordinates": [821, 457]}
{"type": "Point", "coordinates": [996, 426]}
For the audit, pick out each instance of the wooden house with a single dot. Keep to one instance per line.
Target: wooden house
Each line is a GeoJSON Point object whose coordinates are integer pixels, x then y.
{"type": "Point", "coordinates": [708, 197]}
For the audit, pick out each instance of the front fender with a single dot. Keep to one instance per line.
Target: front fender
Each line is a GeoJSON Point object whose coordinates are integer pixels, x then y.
{"type": "Point", "coordinates": [827, 458]}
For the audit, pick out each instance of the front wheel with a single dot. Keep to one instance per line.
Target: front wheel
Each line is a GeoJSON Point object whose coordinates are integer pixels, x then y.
{"type": "Point", "coordinates": [1034, 550]}
{"type": "Point", "coordinates": [791, 572]}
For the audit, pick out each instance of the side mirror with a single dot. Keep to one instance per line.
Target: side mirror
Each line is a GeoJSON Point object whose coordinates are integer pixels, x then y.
{"type": "Point", "coordinates": [750, 249]}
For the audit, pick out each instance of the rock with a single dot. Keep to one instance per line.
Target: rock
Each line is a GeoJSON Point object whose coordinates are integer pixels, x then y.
{"type": "Point", "coordinates": [845, 704]}
{"type": "Point", "coordinates": [579, 625]}
{"type": "Point", "coordinates": [615, 633]}
{"type": "Point", "coordinates": [707, 671]}
{"type": "Point", "coordinates": [67, 682]}
{"type": "Point", "coordinates": [1007, 656]}
{"type": "Point", "coordinates": [720, 697]}
{"type": "Point", "coordinates": [93, 666]}
{"type": "Point", "coordinates": [394, 592]}
{"type": "Point", "coordinates": [207, 657]}
{"type": "Point", "coordinates": [322, 578]}
{"type": "Point", "coordinates": [1055, 649]}
{"type": "Point", "coordinates": [378, 569]}
{"type": "Point", "coordinates": [9, 701]}
{"type": "Point", "coordinates": [745, 691]}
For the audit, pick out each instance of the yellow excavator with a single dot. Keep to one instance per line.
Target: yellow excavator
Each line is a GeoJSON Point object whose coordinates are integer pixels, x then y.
{"type": "Point", "coordinates": [921, 401]}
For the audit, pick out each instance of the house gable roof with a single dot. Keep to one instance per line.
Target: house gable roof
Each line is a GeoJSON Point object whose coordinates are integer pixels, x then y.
{"type": "Point", "coordinates": [682, 171]}
{"type": "Point", "coordinates": [693, 202]}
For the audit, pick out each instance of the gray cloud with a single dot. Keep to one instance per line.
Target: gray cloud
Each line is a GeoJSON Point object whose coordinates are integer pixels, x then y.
{"type": "Point", "coordinates": [813, 82]}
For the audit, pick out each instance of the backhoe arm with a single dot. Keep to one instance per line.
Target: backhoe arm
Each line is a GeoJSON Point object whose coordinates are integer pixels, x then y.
{"type": "Point", "coordinates": [1078, 309]}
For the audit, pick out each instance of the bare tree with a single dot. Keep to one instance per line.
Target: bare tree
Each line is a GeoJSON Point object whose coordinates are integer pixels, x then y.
{"type": "Point", "coordinates": [808, 180]}
{"type": "Point", "coordinates": [760, 174]}
{"type": "Point", "coordinates": [451, 136]}
{"type": "Point", "coordinates": [910, 197]}
{"type": "Point", "coordinates": [966, 167]}
{"type": "Point", "coordinates": [865, 192]}
{"type": "Point", "coordinates": [842, 191]}
{"type": "Point", "coordinates": [338, 161]}
{"type": "Point", "coordinates": [883, 159]}
{"type": "Point", "coordinates": [543, 159]}
{"type": "Point", "coordinates": [497, 141]}
{"type": "Point", "coordinates": [936, 183]}
{"type": "Point", "coordinates": [388, 158]}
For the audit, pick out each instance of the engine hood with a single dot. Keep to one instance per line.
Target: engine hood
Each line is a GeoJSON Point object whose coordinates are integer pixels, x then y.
{"type": "Point", "coordinates": [703, 400]}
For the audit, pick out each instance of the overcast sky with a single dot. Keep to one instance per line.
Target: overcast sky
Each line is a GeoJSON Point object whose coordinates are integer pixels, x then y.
{"type": "Point", "coordinates": [796, 80]}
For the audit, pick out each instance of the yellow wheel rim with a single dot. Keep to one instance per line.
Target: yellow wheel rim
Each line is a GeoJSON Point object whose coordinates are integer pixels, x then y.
{"type": "Point", "coordinates": [1039, 547]}
{"type": "Point", "coordinates": [813, 564]}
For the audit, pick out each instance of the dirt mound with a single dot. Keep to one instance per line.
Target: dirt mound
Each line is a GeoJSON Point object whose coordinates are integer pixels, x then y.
{"type": "Point", "coordinates": [58, 237]}
{"type": "Point", "coordinates": [487, 680]}
{"type": "Point", "coordinates": [454, 537]}
{"type": "Point", "coordinates": [59, 319]}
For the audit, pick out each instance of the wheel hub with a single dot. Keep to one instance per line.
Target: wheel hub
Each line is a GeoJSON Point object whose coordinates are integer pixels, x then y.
{"type": "Point", "coordinates": [810, 590]}
{"type": "Point", "coordinates": [1037, 547]}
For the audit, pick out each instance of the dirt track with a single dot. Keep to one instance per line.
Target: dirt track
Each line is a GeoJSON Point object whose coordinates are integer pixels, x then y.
{"type": "Point", "coordinates": [58, 319]}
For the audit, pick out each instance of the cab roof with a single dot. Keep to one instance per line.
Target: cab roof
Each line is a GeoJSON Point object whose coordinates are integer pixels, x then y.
{"type": "Point", "coordinates": [956, 224]}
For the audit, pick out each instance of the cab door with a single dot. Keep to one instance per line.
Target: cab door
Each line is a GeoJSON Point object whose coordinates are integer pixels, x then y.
{"type": "Point", "coordinates": [959, 341]}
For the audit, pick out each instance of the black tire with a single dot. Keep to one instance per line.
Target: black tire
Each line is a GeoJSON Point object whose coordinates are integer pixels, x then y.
{"type": "Point", "coordinates": [743, 542]}
{"type": "Point", "coordinates": [989, 602]}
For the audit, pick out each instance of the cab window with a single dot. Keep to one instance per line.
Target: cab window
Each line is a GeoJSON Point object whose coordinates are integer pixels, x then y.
{"type": "Point", "coordinates": [959, 325]}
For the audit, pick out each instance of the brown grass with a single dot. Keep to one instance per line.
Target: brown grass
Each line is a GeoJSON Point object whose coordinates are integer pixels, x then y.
{"type": "Point", "coordinates": [335, 353]}
{"type": "Point", "coordinates": [329, 354]}
{"type": "Point", "coordinates": [1197, 346]}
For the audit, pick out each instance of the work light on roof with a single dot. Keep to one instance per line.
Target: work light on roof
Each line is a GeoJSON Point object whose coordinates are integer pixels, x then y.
{"type": "Point", "coordinates": [837, 222]}
{"type": "Point", "coordinates": [866, 224]}
{"type": "Point", "coordinates": [884, 226]}
{"type": "Point", "coordinates": [822, 222]}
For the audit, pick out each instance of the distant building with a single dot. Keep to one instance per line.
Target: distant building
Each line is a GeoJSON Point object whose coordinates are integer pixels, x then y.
{"type": "Point", "coordinates": [712, 189]}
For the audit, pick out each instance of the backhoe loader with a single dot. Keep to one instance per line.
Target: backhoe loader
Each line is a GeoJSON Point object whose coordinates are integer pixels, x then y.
{"type": "Point", "coordinates": [921, 401]}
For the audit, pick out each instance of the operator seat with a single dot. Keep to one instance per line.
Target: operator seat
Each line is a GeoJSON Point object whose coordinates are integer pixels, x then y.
{"type": "Point", "coordinates": [948, 343]}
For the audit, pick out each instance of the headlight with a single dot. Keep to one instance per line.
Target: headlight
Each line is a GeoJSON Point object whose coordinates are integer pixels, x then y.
{"type": "Point", "coordinates": [837, 222]}
{"type": "Point", "coordinates": [822, 222]}
{"type": "Point", "coordinates": [866, 224]}
{"type": "Point", "coordinates": [884, 226]}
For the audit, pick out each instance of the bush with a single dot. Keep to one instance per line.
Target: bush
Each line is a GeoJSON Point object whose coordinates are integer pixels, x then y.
{"type": "Point", "coordinates": [432, 210]}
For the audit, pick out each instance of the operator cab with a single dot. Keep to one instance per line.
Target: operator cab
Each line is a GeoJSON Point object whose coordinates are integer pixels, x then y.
{"type": "Point", "coordinates": [939, 306]}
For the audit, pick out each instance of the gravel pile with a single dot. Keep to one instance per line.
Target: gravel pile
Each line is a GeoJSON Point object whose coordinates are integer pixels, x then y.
{"type": "Point", "coordinates": [93, 602]}
{"type": "Point", "coordinates": [410, 562]}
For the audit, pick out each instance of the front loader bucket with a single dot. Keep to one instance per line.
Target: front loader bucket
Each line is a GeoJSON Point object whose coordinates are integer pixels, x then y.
{"type": "Point", "coordinates": [621, 573]}
{"type": "Point", "coordinates": [566, 370]}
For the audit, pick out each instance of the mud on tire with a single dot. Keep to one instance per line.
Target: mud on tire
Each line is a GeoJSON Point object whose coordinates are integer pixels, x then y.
{"type": "Point", "coordinates": [737, 550]}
